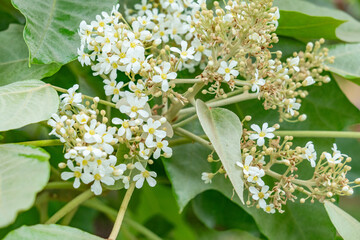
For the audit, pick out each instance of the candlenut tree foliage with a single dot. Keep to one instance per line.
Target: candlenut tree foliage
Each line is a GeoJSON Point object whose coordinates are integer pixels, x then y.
{"type": "Point", "coordinates": [231, 105]}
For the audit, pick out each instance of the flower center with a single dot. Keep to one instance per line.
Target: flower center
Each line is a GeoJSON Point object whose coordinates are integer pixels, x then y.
{"type": "Point", "coordinates": [134, 109]}
{"type": "Point", "coordinates": [116, 91]}
{"type": "Point", "coordinates": [184, 54]}
{"type": "Point", "coordinates": [162, 33]}
{"type": "Point", "coordinates": [107, 40]}
{"type": "Point", "coordinates": [101, 24]}
{"type": "Point", "coordinates": [262, 134]}
{"type": "Point", "coordinates": [122, 55]}
{"type": "Point", "coordinates": [164, 76]}
{"type": "Point", "coordinates": [201, 48]}
{"type": "Point", "coordinates": [143, 8]}
{"type": "Point", "coordinates": [125, 124]}
{"type": "Point", "coordinates": [133, 60]}
{"type": "Point", "coordinates": [268, 208]}
{"type": "Point", "coordinates": [227, 70]}
{"type": "Point", "coordinates": [92, 132]}
{"type": "Point", "coordinates": [97, 177]}
{"type": "Point", "coordinates": [99, 162]}
{"type": "Point", "coordinates": [255, 178]}
{"type": "Point", "coordinates": [84, 162]}
{"type": "Point", "coordinates": [114, 65]}
{"type": "Point", "coordinates": [160, 145]}
{"type": "Point", "coordinates": [246, 168]}
{"type": "Point", "coordinates": [146, 174]}
{"type": "Point", "coordinates": [151, 130]}
{"type": "Point", "coordinates": [132, 45]}
{"type": "Point", "coordinates": [261, 195]}
{"type": "Point", "coordinates": [77, 174]}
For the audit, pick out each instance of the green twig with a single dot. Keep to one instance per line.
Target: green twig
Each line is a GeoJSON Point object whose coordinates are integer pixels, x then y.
{"type": "Point", "coordinates": [42, 143]}
{"type": "Point", "coordinates": [319, 134]}
{"type": "Point", "coordinates": [70, 206]}
{"type": "Point", "coordinates": [190, 135]}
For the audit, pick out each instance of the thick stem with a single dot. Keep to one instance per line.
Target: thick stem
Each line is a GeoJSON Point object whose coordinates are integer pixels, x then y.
{"type": "Point", "coordinates": [185, 121]}
{"type": "Point", "coordinates": [59, 89]}
{"type": "Point", "coordinates": [175, 108]}
{"type": "Point", "coordinates": [42, 143]}
{"type": "Point", "coordinates": [60, 185]}
{"type": "Point", "coordinates": [70, 206]}
{"type": "Point", "coordinates": [119, 219]}
{"type": "Point", "coordinates": [222, 102]}
{"type": "Point", "coordinates": [319, 134]}
{"type": "Point", "coordinates": [306, 183]}
{"type": "Point", "coordinates": [182, 81]}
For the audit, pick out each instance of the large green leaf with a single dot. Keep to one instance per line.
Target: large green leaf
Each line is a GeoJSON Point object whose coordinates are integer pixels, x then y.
{"type": "Point", "coordinates": [14, 58]}
{"type": "Point", "coordinates": [347, 226]}
{"type": "Point", "coordinates": [347, 60]}
{"type": "Point", "coordinates": [26, 102]}
{"type": "Point", "coordinates": [228, 235]}
{"type": "Point", "coordinates": [51, 26]}
{"type": "Point", "coordinates": [224, 130]}
{"type": "Point", "coordinates": [49, 232]}
{"type": "Point", "coordinates": [294, 15]}
{"type": "Point", "coordinates": [298, 222]}
{"type": "Point", "coordinates": [24, 171]}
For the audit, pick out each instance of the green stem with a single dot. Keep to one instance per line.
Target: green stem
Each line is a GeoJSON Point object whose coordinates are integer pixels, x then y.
{"type": "Point", "coordinates": [181, 141]}
{"type": "Point", "coordinates": [59, 185]}
{"type": "Point", "coordinates": [190, 135]}
{"type": "Point", "coordinates": [185, 121]}
{"type": "Point", "coordinates": [111, 214]}
{"type": "Point", "coordinates": [70, 206]}
{"type": "Point", "coordinates": [106, 103]}
{"type": "Point", "coordinates": [319, 134]}
{"type": "Point", "coordinates": [42, 143]}
{"type": "Point", "coordinates": [68, 217]}
{"type": "Point", "coordinates": [306, 183]}
{"type": "Point", "coordinates": [222, 102]}
{"type": "Point", "coordinates": [178, 81]}
{"type": "Point", "coordinates": [120, 216]}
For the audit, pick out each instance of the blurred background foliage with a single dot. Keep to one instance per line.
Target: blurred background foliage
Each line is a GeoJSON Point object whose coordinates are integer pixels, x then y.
{"type": "Point", "coordinates": [211, 214]}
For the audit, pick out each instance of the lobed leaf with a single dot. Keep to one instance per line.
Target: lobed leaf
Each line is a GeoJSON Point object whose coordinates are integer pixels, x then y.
{"type": "Point", "coordinates": [224, 130]}
{"type": "Point", "coordinates": [14, 58]}
{"type": "Point", "coordinates": [25, 102]}
{"type": "Point", "coordinates": [53, 232]}
{"type": "Point", "coordinates": [51, 26]}
{"type": "Point", "coordinates": [24, 171]}
{"type": "Point", "coordinates": [347, 226]}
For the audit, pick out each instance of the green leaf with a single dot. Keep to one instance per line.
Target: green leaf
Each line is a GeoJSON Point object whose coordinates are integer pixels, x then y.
{"type": "Point", "coordinates": [306, 13]}
{"type": "Point", "coordinates": [228, 235]}
{"type": "Point", "coordinates": [347, 226]}
{"type": "Point", "coordinates": [347, 60]}
{"type": "Point", "coordinates": [49, 232]}
{"type": "Point", "coordinates": [224, 130]}
{"type": "Point", "coordinates": [14, 58]}
{"type": "Point", "coordinates": [24, 171]}
{"type": "Point", "coordinates": [51, 26]}
{"type": "Point", "coordinates": [26, 102]}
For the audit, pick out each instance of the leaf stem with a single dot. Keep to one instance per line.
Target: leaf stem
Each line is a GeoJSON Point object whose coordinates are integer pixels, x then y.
{"type": "Point", "coordinates": [185, 121]}
{"type": "Point", "coordinates": [117, 225]}
{"type": "Point", "coordinates": [42, 143]}
{"type": "Point", "coordinates": [223, 102]}
{"type": "Point", "coordinates": [111, 214]}
{"type": "Point", "coordinates": [70, 206]}
{"type": "Point", "coordinates": [190, 135]}
{"type": "Point", "coordinates": [106, 103]}
{"type": "Point", "coordinates": [60, 185]}
{"type": "Point", "coordinates": [319, 134]}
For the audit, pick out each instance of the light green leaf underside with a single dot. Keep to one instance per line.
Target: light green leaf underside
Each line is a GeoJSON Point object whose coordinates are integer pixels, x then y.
{"type": "Point", "coordinates": [347, 226]}
{"type": "Point", "coordinates": [26, 102]}
{"type": "Point", "coordinates": [14, 65]}
{"type": "Point", "coordinates": [50, 232]}
{"type": "Point", "coordinates": [347, 60]}
{"type": "Point", "coordinates": [51, 26]}
{"type": "Point", "coordinates": [348, 31]}
{"type": "Point", "coordinates": [24, 171]}
{"type": "Point", "coordinates": [224, 130]}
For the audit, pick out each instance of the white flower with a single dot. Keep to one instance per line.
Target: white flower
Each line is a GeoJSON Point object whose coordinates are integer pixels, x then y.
{"type": "Point", "coordinates": [87, 150]}
{"type": "Point", "coordinates": [164, 76]}
{"type": "Point", "coordinates": [71, 154]}
{"type": "Point", "coordinates": [143, 151]}
{"type": "Point", "coordinates": [151, 128]}
{"type": "Point", "coordinates": [274, 17]}
{"type": "Point", "coordinates": [118, 171]}
{"type": "Point", "coordinates": [294, 62]}
{"type": "Point", "coordinates": [101, 175]}
{"type": "Point", "coordinates": [135, 107]}
{"type": "Point", "coordinates": [257, 83]}
{"type": "Point", "coordinates": [255, 175]}
{"type": "Point", "coordinates": [184, 52]}
{"type": "Point", "coordinates": [228, 70]}
{"type": "Point", "coordinates": [137, 89]}
{"type": "Point", "coordinates": [207, 177]}
{"type": "Point", "coordinates": [93, 133]}
{"type": "Point", "coordinates": [309, 81]}
{"type": "Point", "coordinates": [260, 195]}
{"type": "Point", "coordinates": [200, 49]}
{"type": "Point", "coordinates": [292, 105]}
{"type": "Point", "coordinates": [126, 182]}
{"type": "Point", "coordinates": [161, 145]}
{"type": "Point", "coordinates": [310, 153]}
{"type": "Point", "coordinates": [82, 118]}
{"type": "Point", "coordinates": [134, 46]}
{"type": "Point", "coordinates": [142, 7]}
{"type": "Point", "coordinates": [269, 208]}
{"type": "Point", "coordinates": [336, 157]}
{"type": "Point", "coordinates": [125, 127]}
{"type": "Point", "coordinates": [261, 134]}
{"type": "Point", "coordinates": [71, 97]}
{"type": "Point", "coordinates": [146, 22]}
{"type": "Point", "coordinates": [246, 165]}
{"type": "Point", "coordinates": [83, 57]}
{"type": "Point", "coordinates": [77, 173]}
{"type": "Point", "coordinates": [140, 178]}
{"type": "Point", "coordinates": [155, 15]}
{"type": "Point", "coordinates": [133, 63]}
{"type": "Point", "coordinates": [113, 88]}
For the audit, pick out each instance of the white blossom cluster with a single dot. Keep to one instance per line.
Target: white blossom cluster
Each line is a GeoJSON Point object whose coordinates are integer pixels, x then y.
{"type": "Point", "coordinates": [89, 143]}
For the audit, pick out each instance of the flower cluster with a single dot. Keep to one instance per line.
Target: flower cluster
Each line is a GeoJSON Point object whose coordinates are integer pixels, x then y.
{"type": "Point", "coordinates": [261, 151]}
{"type": "Point", "coordinates": [89, 143]}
